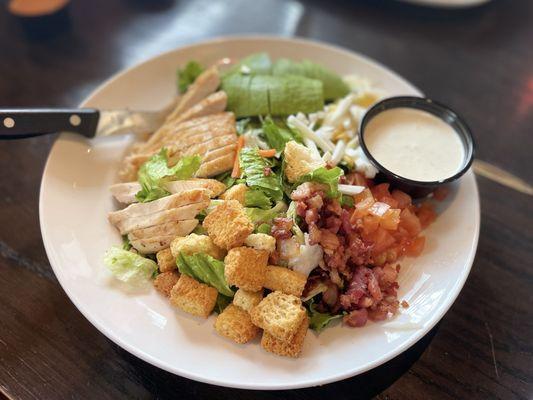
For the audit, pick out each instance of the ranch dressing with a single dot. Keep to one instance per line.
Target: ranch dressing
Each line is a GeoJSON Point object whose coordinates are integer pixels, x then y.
{"type": "Point", "coordinates": [414, 144]}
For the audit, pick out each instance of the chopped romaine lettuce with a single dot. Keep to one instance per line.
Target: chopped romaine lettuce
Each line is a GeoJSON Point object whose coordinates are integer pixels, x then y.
{"type": "Point", "coordinates": [259, 216]}
{"type": "Point", "coordinates": [347, 201]}
{"type": "Point", "coordinates": [242, 125]}
{"type": "Point", "coordinates": [222, 303]}
{"type": "Point", "coordinates": [256, 198]}
{"type": "Point", "coordinates": [188, 75]}
{"type": "Point", "coordinates": [276, 136]}
{"type": "Point", "coordinates": [206, 269]}
{"type": "Point", "coordinates": [264, 228]}
{"type": "Point", "coordinates": [318, 320]}
{"type": "Point", "coordinates": [253, 168]}
{"type": "Point", "coordinates": [329, 177]}
{"type": "Point", "coordinates": [126, 245]}
{"type": "Point", "coordinates": [291, 213]}
{"type": "Point", "coordinates": [129, 267]}
{"type": "Point", "coordinates": [155, 172]}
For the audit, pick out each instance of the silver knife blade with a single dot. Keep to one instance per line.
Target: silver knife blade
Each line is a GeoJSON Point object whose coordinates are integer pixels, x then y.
{"type": "Point", "coordinates": [118, 122]}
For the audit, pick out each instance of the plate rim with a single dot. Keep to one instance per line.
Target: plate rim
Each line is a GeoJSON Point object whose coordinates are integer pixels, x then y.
{"type": "Point", "coordinates": [138, 352]}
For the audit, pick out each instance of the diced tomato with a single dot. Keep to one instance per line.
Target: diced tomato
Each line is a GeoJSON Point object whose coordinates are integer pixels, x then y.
{"type": "Point", "coordinates": [410, 222]}
{"type": "Point", "coordinates": [415, 248]}
{"type": "Point", "coordinates": [380, 191]}
{"type": "Point", "coordinates": [390, 219]}
{"type": "Point", "coordinates": [441, 193]}
{"type": "Point", "coordinates": [426, 214]}
{"type": "Point", "coordinates": [370, 224]}
{"type": "Point", "coordinates": [382, 241]}
{"type": "Point", "coordinates": [378, 209]}
{"type": "Point", "coordinates": [391, 201]}
{"type": "Point", "coordinates": [403, 199]}
{"type": "Point", "coordinates": [365, 194]}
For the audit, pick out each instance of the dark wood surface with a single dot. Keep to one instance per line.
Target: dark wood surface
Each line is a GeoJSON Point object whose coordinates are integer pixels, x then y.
{"type": "Point", "coordinates": [479, 61]}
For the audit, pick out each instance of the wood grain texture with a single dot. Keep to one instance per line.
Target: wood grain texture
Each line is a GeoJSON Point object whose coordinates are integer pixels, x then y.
{"type": "Point", "coordinates": [478, 61]}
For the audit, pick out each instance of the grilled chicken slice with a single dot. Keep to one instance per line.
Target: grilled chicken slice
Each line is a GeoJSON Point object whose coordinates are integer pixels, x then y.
{"type": "Point", "coordinates": [153, 244]}
{"type": "Point", "coordinates": [212, 104]}
{"type": "Point", "coordinates": [203, 86]}
{"type": "Point", "coordinates": [219, 152]}
{"type": "Point", "coordinates": [125, 192]}
{"type": "Point", "coordinates": [175, 214]}
{"type": "Point", "coordinates": [176, 228]}
{"type": "Point", "coordinates": [216, 166]}
{"type": "Point", "coordinates": [164, 203]}
{"type": "Point", "coordinates": [214, 187]}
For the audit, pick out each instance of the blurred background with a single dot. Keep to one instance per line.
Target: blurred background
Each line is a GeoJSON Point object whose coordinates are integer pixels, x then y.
{"type": "Point", "coordinates": [477, 59]}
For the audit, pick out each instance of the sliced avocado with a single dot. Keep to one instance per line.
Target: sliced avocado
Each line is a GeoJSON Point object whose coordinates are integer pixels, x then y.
{"type": "Point", "coordinates": [290, 94]}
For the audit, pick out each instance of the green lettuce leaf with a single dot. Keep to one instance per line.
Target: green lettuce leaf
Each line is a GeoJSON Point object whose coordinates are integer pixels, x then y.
{"type": "Point", "coordinates": [347, 201]}
{"type": "Point", "coordinates": [256, 198]}
{"type": "Point", "coordinates": [222, 303]}
{"type": "Point", "coordinates": [206, 269]}
{"type": "Point", "coordinates": [276, 136]}
{"type": "Point", "coordinates": [155, 172]}
{"type": "Point", "coordinates": [264, 228]}
{"type": "Point", "coordinates": [317, 320]}
{"type": "Point", "coordinates": [291, 213]}
{"type": "Point", "coordinates": [329, 177]}
{"type": "Point", "coordinates": [188, 75]}
{"type": "Point", "coordinates": [259, 216]}
{"type": "Point", "coordinates": [253, 170]}
{"type": "Point", "coordinates": [129, 267]}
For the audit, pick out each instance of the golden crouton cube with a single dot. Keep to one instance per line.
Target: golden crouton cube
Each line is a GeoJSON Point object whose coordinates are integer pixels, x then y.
{"type": "Point", "coordinates": [234, 323]}
{"type": "Point", "coordinates": [193, 243]}
{"type": "Point", "coordinates": [279, 314]}
{"type": "Point", "coordinates": [193, 297]}
{"type": "Point", "coordinates": [291, 348]}
{"type": "Point", "coordinates": [261, 241]}
{"type": "Point", "coordinates": [228, 225]}
{"type": "Point", "coordinates": [245, 268]}
{"type": "Point", "coordinates": [236, 192]}
{"type": "Point", "coordinates": [165, 260]}
{"type": "Point", "coordinates": [165, 281]}
{"type": "Point", "coordinates": [247, 300]}
{"type": "Point", "coordinates": [285, 280]}
{"type": "Point", "coordinates": [300, 161]}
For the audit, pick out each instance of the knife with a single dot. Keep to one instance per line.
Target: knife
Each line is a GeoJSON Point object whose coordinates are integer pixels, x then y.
{"type": "Point", "coordinates": [17, 123]}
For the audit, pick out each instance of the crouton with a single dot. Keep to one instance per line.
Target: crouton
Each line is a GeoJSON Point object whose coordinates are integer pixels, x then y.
{"type": "Point", "coordinates": [261, 241]}
{"type": "Point", "coordinates": [193, 297]}
{"type": "Point", "coordinates": [284, 280]}
{"type": "Point", "coordinates": [291, 348]}
{"type": "Point", "coordinates": [193, 243]}
{"type": "Point", "coordinates": [279, 314]}
{"type": "Point", "coordinates": [165, 260]}
{"type": "Point", "coordinates": [236, 192]}
{"type": "Point", "coordinates": [246, 299]}
{"type": "Point", "coordinates": [235, 324]}
{"type": "Point", "coordinates": [245, 268]}
{"type": "Point", "coordinates": [299, 161]}
{"type": "Point", "coordinates": [228, 225]}
{"type": "Point", "coordinates": [165, 281]}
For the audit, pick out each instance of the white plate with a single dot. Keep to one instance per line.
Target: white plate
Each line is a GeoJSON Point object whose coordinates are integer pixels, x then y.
{"type": "Point", "coordinates": [75, 200]}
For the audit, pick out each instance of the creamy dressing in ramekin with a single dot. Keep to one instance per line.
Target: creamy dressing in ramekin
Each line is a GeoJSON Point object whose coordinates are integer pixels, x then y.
{"type": "Point", "coordinates": [414, 144]}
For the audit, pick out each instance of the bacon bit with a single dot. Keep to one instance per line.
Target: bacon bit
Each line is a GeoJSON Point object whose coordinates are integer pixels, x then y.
{"type": "Point", "coordinates": [405, 304]}
{"type": "Point", "coordinates": [236, 172]}
{"type": "Point", "coordinates": [267, 171]}
{"type": "Point", "coordinates": [267, 153]}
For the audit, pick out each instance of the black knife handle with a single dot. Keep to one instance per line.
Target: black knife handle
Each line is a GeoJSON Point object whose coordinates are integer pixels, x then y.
{"type": "Point", "coordinates": [18, 123]}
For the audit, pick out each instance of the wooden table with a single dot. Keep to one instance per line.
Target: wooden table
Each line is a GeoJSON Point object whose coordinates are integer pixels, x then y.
{"type": "Point", "coordinates": [479, 61]}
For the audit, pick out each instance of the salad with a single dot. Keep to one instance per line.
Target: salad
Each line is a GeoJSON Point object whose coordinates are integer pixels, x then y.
{"type": "Point", "coordinates": [254, 201]}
